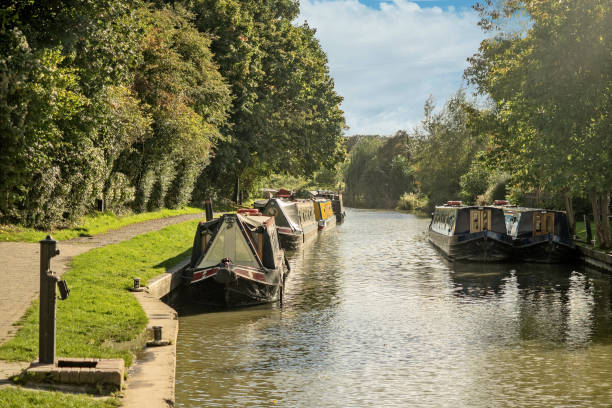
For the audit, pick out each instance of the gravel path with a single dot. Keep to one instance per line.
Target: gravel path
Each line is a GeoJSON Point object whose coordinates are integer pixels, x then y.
{"type": "Point", "coordinates": [20, 265]}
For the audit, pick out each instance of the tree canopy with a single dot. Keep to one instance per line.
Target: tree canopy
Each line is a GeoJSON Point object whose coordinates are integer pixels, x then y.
{"type": "Point", "coordinates": [153, 104]}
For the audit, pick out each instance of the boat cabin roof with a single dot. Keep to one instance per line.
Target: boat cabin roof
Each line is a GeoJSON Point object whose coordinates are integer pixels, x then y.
{"type": "Point", "coordinates": [234, 236]}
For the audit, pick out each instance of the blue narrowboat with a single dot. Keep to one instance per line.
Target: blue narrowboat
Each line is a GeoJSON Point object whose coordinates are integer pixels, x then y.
{"type": "Point", "coordinates": [470, 233]}
{"type": "Point", "coordinates": [540, 235]}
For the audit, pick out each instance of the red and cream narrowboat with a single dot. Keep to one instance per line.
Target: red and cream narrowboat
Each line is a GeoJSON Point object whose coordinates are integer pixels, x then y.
{"type": "Point", "coordinates": [236, 261]}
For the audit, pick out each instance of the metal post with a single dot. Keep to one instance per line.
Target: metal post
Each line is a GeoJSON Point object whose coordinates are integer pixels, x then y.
{"type": "Point", "coordinates": [209, 209]}
{"type": "Point", "coordinates": [48, 281]}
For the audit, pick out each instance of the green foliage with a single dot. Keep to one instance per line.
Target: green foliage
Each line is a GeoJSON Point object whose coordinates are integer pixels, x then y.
{"type": "Point", "coordinates": [379, 171]}
{"type": "Point", "coordinates": [551, 87]}
{"type": "Point", "coordinates": [20, 398]}
{"type": "Point", "coordinates": [100, 310]}
{"type": "Point", "coordinates": [413, 202]}
{"type": "Point", "coordinates": [125, 105]}
{"type": "Point", "coordinates": [445, 148]}
{"type": "Point", "coordinates": [475, 182]}
{"type": "Point", "coordinates": [285, 116]}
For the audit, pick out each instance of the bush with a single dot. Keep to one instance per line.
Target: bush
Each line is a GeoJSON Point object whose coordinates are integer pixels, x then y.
{"type": "Point", "coordinates": [412, 201]}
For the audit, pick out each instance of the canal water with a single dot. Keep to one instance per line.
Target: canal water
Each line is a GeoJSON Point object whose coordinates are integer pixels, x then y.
{"type": "Point", "coordinates": [374, 316]}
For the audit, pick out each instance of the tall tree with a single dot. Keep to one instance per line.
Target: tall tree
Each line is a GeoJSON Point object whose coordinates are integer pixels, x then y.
{"type": "Point", "coordinates": [285, 115]}
{"type": "Point", "coordinates": [551, 85]}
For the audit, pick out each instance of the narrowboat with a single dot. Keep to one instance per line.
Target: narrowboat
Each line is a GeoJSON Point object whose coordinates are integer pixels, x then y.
{"type": "Point", "coordinates": [324, 213]}
{"type": "Point", "coordinates": [260, 204]}
{"type": "Point", "coordinates": [236, 261]}
{"type": "Point", "coordinates": [295, 221]}
{"type": "Point", "coordinates": [540, 235]}
{"type": "Point", "coordinates": [470, 233]}
{"type": "Point", "coordinates": [336, 200]}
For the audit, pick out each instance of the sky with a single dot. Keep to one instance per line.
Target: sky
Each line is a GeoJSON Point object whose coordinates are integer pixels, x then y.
{"type": "Point", "coordinates": [388, 57]}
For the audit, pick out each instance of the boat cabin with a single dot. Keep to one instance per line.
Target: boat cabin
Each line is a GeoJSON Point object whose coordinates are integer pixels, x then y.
{"type": "Point", "coordinates": [323, 209]}
{"type": "Point", "coordinates": [246, 240]}
{"type": "Point", "coordinates": [295, 215]}
{"type": "Point", "coordinates": [529, 222]}
{"type": "Point", "coordinates": [455, 219]}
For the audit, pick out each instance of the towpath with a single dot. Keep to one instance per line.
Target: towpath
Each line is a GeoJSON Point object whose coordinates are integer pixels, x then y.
{"type": "Point", "coordinates": [20, 271]}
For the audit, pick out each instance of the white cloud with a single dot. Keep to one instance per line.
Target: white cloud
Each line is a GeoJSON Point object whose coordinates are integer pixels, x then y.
{"type": "Point", "coordinates": [386, 62]}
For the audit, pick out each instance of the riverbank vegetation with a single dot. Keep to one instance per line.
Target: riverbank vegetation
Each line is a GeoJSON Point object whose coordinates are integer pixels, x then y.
{"type": "Point", "coordinates": [100, 314]}
{"type": "Point", "coordinates": [542, 136]}
{"type": "Point", "coordinates": [89, 225]}
{"type": "Point", "coordinates": [150, 105]}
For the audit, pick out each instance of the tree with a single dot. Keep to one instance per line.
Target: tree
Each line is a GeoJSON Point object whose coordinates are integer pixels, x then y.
{"type": "Point", "coordinates": [285, 115]}
{"type": "Point", "coordinates": [551, 85]}
{"type": "Point", "coordinates": [188, 101]}
{"type": "Point", "coordinates": [444, 149]}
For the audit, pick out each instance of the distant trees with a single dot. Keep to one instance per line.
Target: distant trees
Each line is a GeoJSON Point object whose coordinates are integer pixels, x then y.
{"type": "Point", "coordinates": [378, 171]}
{"type": "Point", "coordinates": [430, 160]}
{"type": "Point", "coordinates": [138, 103]}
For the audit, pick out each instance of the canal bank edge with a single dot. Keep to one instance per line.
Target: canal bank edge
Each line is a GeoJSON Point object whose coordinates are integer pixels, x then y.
{"type": "Point", "coordinates": [596, 259]}
{"type": "Point", "coordinates": [151, 378]}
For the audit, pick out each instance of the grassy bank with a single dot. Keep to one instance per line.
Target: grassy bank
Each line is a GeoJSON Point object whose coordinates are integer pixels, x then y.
{"type": "Point", "coordinates": [100, 311]}
{"type": "Point", "coordinates": [581, 232]}
{"type": "Point", "coordinates": [20, 398]}
{"type": "Point", "coordinates": [88, 226]}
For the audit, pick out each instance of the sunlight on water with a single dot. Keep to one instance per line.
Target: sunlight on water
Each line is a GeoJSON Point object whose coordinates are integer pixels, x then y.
{"type": "Point", "coordinates": [374, 316]}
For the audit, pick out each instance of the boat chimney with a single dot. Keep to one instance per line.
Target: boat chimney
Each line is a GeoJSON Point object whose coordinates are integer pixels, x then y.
{"type": "Point", "coordinates": [209, 210]}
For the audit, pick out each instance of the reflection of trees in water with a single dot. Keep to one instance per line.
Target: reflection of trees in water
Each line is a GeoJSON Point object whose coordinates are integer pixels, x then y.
{"type": "Point", "coordinates": [478, 279]}
{"type": "Point", "coordinates": [551, 303]}
{"type": "Point", "coordinates": [310, 303]}
{"type": "Point", "coordinates": [602, 308]}
{"type": "Point", "coordinates": [315, 273]}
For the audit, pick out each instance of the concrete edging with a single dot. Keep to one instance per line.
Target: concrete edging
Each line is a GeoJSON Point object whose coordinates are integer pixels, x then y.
{"type": "Point", "coordinates": [151, 378]}
{"type": "Point", "coordinates": [596, 259]}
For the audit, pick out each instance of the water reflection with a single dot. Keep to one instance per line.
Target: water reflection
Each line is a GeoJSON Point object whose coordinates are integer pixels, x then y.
{"type": "Point", "coordinates": [373, 315]}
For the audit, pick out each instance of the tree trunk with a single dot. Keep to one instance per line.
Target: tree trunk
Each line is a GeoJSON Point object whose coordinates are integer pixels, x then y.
{"type": "Point", "coordinates": [601, 202]}
{"type": "Point", "coordinates": [569, 208]}
{"type": "Point", "coordinates": [237, 191]}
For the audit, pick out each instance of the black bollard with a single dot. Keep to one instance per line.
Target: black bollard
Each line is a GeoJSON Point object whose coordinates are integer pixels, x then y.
{"type": "Point", "coordinates": [46, 329]}
{"type": "Point", "coordinates": [209, 209]}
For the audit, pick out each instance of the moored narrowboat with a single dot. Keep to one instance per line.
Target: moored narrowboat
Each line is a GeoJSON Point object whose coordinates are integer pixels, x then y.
{"type": "Point", "coordinates": [295, 221]}
{"type": "Point", "coordinates": [470, 233]}
{"type": "Point", "coordinates": [336, 200]}
{"type": "Point", "coordinates": [324, 213]}
{"type": "Point", "coordinates": [236, 261]}
{"type": "Point", "coordinates": [540, 235]}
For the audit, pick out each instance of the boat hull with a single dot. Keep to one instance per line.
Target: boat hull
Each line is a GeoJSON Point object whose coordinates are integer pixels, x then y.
{"type": "Point", "coordinates": [235, 287]}
{"type": "Point", "coordinates": [546, 250]}
{"type": "Point", "coordinates": [485, 246]}
{"type": "Point", "coordinates": [328, 223]}
{"type": "Point", "coordinates": [289, 239]}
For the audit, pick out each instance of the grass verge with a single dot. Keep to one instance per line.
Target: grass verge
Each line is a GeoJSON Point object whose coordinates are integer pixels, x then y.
{"type": "Point", "coordinates": [581, 232]}
{"type": "Point", "coordinates": [100, 312]}
{"type": "Point", "coordinates": [88, 226]}
{"type": "Point", "coordinates": [19, 398]}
